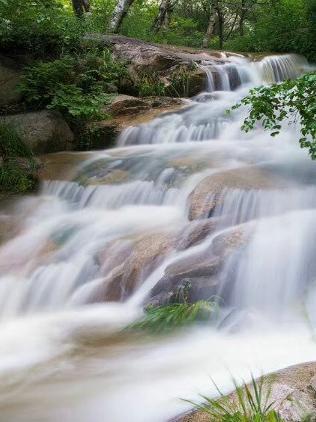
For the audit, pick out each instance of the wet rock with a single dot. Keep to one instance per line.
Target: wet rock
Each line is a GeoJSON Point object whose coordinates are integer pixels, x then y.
{"type": "Point", "coordinates": [43, 131]}
{"type": "Point", "coordinates": [9, 227]}
{"type": "Point", "coordinates": [196, 82]}
{"type": "Point", "coordinates": [187, 81]}
{"type": "Point", "coordinates": [197, 276]}
{"type": "Point", "coordinates": [61, 166]}
{"type": "Point", "coordinates": [125, 111]}
{"type": "Point", "coordinates": [99, 135]}
{"type": "Point", "coordinates": [210, 191]}
{"type": "Point", "coordinates": [187, 280]}
{"type": "Point", "coordinates": [10, 77]}
{"type": "Point", "coordinates": [116, 176]}
{"type": "Point", "coordinates": [229, 240]}
{"type": "Point", "coordinates": [174, 67]}
{"type": "Point", "coordinates": [125, 104]}
{"type": "Point", "coordinates": [137, 52]}
{"type": "Point", "coordinates": [126, 265]}
{"type": "Point", "coordinates": [291, 394]}
{"type": "Point", "coordinates": [195, 232]}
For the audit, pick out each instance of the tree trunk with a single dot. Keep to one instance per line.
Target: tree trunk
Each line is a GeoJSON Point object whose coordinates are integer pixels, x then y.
{"type": "Point", "coordinates": [242, 17]}
{"type": "Point", "coordinates": [163, 18]}
{"type": "Point", "coordinates": [210, 30]}
{"type": "Point", "coordinates": [80, 7]}
{"type": "Point", "coordinates": [220, 22]}
{"type": "Point", "coordinates": [119, 14]}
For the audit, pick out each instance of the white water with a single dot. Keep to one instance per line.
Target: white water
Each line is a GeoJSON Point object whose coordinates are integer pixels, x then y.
{"type": "Point", "coordinates": [65, 358]}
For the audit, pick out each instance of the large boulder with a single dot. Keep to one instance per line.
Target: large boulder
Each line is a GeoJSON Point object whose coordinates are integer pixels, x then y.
{"type": "Point", "coordinates": [174, 67]}
{"type": "Point", "coordinates": [196, 276]}
{"type": "Point", "coordinates": [139, 53]}
{"type": "Point", "coordinates": [211, 190]}
{"type": "Point", "coordinates": [10, 77]}
{"type": "Point", "coordinates": [126, 104]}
{"type": "Point", "coordinates": [186, 280]}
{"type": "Point", "coordinates": [43, 131]}
{"type": "Point", "coordinates": [126, 111]}
{"type": "Point", "coordinates": [126, 264]}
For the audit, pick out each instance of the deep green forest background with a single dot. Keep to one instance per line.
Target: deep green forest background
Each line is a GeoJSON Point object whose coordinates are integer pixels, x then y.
{"type": "Point", "coordinates": [47, 26]}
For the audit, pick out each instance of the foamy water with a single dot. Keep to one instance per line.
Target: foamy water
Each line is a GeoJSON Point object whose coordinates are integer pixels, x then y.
{"type": "Point", "coordinates": [63, 357]}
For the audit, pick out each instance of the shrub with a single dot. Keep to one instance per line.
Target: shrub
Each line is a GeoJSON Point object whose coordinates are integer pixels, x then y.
{"type": "Point", "coordinates": [18, 166]}
{"type": "Point", "coordinates": [149, 85]}
{"type": "Point", "coordinates": [42, 27]}
{"type": "Point", "coordinates": [75, 85]}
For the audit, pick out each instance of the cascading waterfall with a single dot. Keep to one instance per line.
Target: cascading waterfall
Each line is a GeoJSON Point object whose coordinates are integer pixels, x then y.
{"type": "Point", "coordinates": [188, 188]}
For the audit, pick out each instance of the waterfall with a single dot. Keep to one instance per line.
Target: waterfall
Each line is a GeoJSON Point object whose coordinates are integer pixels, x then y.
{"type": "Point", "coordinates": [207, 120]}
{"type": "Point", "coordinates": [185, 198]}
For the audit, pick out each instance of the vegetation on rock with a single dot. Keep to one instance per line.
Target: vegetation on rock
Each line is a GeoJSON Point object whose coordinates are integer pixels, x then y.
{"type": "Point", "coordinates": [176, 315]}
{"type": "Point", "coordinates": [250, 403]}
{"type": "Point", "coordinates": [73, 84]}
{"type": "Point", "coordinates": [18, 166]}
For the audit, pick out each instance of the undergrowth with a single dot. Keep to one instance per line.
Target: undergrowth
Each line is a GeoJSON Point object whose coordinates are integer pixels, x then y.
{"type": "Point", "coordinates": [76, 85]}
{"type": "Point", "coordinates": [18, 166]}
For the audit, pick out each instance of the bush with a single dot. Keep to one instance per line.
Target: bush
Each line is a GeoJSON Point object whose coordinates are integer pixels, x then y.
{"type": "Point", "coordinates": [149, 85]}
{"type": "Point", "coordinates": [18, 166]}
{"type": "Point", "coordinates": [75, 85]}
{"type": "Point", "coordinates": [287, 26]}
{"type": "Point", "coordinates": [42, 27]}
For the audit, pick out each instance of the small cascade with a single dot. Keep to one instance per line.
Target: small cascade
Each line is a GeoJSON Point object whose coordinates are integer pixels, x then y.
{"type": "Point", "coordinates": [279, 68]}
{"type": "Point", "coordinates": [186, 204]}
{"type": "Point", "coordinates": [275, 269]}
{"type": "Point", "coordinates": [230, 75]}
{"type": "Point", "coordinates": [228, 83]}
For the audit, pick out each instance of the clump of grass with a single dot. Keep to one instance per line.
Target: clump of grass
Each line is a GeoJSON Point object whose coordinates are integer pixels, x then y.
{"type": "Point", "coordinates": [250, 403]}
{"type": "Point", "coordinates": [177, 315]}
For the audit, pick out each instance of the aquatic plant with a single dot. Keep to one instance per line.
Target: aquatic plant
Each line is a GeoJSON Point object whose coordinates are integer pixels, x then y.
{"type": "Point", "coordinates": [169, 317]}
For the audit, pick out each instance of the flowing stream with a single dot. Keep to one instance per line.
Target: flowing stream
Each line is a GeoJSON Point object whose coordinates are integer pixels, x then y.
{"type": "Point", "coordinates": [86, 254]}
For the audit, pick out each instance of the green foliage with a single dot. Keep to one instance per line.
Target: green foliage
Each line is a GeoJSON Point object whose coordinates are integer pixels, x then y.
{"type": "Point", "coordinates": [149, 85]}
{"type": "Point", "coordinates": [285, 26]}
{"type": "Point", "coordinates": [75, 85]}
{"type": "Point", "coordinates": [78, 104]}
{"type": "Point", "coordinates": [180, 83]}
{"type": "Point", "coordinates": [294, 99]}
{"type": "Point", "coordinates": [41, 27]}
{"type": "Point", "coordinates": [11, 144]}
{"type": "Point", "coordinates": [18, 166]}
{"type": "Point", "coordinates": [181, 31]}
{"type": "Point", "coordinates": [169, 317]}
{"type": "Point", "coordinates": [251, 404]}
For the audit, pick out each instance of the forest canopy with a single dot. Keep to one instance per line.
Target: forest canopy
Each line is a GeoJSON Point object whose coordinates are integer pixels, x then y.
{"type": "Point", "coordinates": [45, 26]}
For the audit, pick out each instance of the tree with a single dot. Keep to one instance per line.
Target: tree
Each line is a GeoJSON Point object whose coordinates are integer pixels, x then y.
{"type": "Point", "coordinates": [80, 7]}
{"type": "Point", "coordinates": [163, 18]}
{"type": "Point", "coordinates": [293, 99]}
{"type": "Point", "coordinates": [218, 6]}
{"type": "Point", "coordinates": [119, 14]}
{"type": "Point", "coordinates": [210, 28]}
